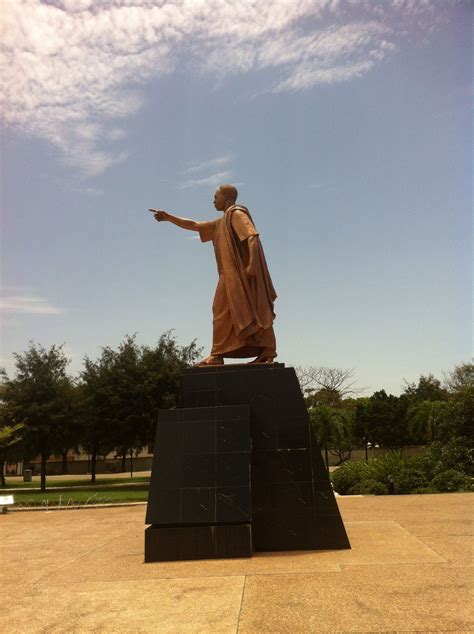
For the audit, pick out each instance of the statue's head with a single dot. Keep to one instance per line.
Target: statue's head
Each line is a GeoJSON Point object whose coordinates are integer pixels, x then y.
{"type": "Point", "coordinates": [225, 197]}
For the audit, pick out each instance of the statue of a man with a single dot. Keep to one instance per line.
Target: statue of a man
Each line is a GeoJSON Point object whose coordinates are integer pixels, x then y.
{"type": "Point", "coordinates": [243, 304]}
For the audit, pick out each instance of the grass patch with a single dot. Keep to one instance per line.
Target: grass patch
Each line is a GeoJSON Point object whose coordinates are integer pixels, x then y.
{"type": "Point", "coordinates": [94, 495]}
{"type": "Point", "coordinates": [69, 482]}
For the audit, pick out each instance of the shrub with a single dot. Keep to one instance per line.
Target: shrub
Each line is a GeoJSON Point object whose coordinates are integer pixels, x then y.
{"type": "Point", "coordinates": [422, 490]}
{"type": "Point", "coordinates": [441, 468]}
{"type": "Point", "coordinates": [451, 480]}
{"type": "Point", "coordinates": [348, 476]}
{"type": "Point", "coordinates": [409, 479]}
{"type": "Point", "coordinates": [368, 487]}
{"type": "Point", "coordinates": [457, 454]}
{"type": "Point", "coordinates": [385, 468]}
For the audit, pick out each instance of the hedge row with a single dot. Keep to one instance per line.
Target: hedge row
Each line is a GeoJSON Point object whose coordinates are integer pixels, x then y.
{"type": "Point", "coordinates": [440, 469]}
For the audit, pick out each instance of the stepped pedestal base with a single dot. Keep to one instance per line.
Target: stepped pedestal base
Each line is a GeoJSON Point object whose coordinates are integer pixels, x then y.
{"type": "Point", "coordinates": [197, 542]}
{"type": "Point", "coordinates": [236, 470]}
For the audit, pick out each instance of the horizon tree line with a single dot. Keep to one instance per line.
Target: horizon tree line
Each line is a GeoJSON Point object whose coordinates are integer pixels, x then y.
{"type": "Point", "coordinates": [113, 404]}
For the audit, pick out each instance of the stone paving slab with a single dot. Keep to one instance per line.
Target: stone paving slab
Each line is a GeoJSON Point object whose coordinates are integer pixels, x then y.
{"type": "Point", "coordinates": [208, 604]}
{"type": "Point", "coordinates": [412, 598]}
{"type": "Point", "coordinates": [372, 542]}
{"type": "Point", "coordinates": [410, 570]}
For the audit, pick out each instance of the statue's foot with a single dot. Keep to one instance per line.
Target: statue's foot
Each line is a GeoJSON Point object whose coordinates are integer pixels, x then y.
{"type": "Point", "coordinates": [266, 356]}
{"type": "Point", "coordinates": [213, 359]}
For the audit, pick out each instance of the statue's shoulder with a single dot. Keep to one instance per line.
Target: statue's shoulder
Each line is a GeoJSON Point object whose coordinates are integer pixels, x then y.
{"type": "Point", "coordinates": [239, 212]}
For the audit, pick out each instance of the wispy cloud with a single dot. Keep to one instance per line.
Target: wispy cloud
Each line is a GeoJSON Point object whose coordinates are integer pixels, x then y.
{"type": "Point", "coordinates": [210, 164]}
{"type": "Point", "coordinates": [219, 178]}
{"type": "Point", "coordinates": [28, 304]}
{"type": "Point", "coordinates": [73, 68]}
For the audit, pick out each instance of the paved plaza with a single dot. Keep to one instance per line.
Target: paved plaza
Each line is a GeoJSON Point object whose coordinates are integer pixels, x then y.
{"type": "Point", "coordinates": [410, 570]}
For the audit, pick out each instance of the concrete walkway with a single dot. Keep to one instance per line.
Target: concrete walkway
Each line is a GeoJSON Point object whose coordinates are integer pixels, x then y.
{"type": "Point", "coordinates": [410, 570]}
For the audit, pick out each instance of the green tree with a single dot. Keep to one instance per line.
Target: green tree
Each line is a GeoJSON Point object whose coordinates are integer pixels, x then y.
{"type": "Point", "coordinates": [342, 440]}
{"type": "Point", "coordinates": [327, 396]}
{"type": "Point", "coordinates": [10, 435]}
{"type": "Point", "coordinates": [333, 431]}
{"type": "Point", "coordinates": [428, 388]}
{"type": "Point", "coordinates": [38, 396]}
{"type": "Point", "coordinates": [429, 420]}
{"type": "Point", "coordinates": [95, 394]}
{"type": "Point", "coordinates": [361, 425]}
{"type": "Point", "coordinates": [382, 420]}
{"type": "Point", "coordinates": [125, 388]}
{"type": "Point", "coordinates": [460, 386]}
{"type": "Point", "coordinates": [68, 435]}
{"type": "Point", "coordinates": [460, 378]}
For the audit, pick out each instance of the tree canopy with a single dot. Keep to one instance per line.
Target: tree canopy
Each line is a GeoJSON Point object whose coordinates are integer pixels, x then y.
{"type": "Point", "coordinates": [39, 396]}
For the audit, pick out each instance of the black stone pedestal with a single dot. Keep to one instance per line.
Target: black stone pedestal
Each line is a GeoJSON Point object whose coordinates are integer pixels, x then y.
{"type": "Point", "coordinates": [197, 542]}
{"type": "Point", "coordinates": [199, 502]}
{"type": "Point", "coordinates": [236, 469]}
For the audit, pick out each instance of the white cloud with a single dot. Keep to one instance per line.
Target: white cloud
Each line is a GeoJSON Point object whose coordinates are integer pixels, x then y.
{"type": "Point", "coordinates": [200, 172]}
{"type": "Point", "coordinates": [210, 164]}
{"type": "Point", "coordinates": [28, 304]}
{"type": "Point", "coordinates": [219, 178]}
{"type": "Point", "coordinates": [72, 68]}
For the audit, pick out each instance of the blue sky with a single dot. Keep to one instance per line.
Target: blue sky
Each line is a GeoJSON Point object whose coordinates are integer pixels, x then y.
{"type": "Point", "coordinates": [345, 126]}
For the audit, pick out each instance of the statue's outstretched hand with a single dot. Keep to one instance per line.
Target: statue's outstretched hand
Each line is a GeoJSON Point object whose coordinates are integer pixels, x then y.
{"type": "Point", "coordinates": [159, 214]}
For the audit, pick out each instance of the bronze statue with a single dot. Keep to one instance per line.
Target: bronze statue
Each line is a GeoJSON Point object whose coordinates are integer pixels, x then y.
{"type": "Point", "coordinates": [243, 304]}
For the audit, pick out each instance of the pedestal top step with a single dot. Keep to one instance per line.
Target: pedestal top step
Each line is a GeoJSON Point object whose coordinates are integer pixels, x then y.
{"type": "Point", "coordinates": [229, 367]}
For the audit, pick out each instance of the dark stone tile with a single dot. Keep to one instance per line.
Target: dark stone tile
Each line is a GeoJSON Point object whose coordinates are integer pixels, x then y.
{"type": "Point", "coordinates": [318, 466]}
{"type": "Point", "coordinates": [162, 544]}
{"type": "Point", "coordinates": [168, 435]}
{"type": "Point", "coordinates": [233, 469]}
{"type": "Point", "coordinates": [233, 388]}
{"type": "Point", "coordinates": [189, 414]}
{"type": "Point", "coordinates": [299, 532]}
{"type": "Point", "coordinates": [281, 532]}
{"type": "Point", "coordinates": [166, 473]}
{"type": "Point", "coordinates": [284, 465]}
{"type": "Point", "coordinates": [197, 542]}
{"type": "Point", "coordinates": [264, 535]}
{"type": "Point", "coordinates": [198, 436]}
{"type": "Point", "coordinates": [295, 465]}
{"type": "Point", "coordinates": [234, 541]}
{"type": "Point", "coordinates": [179, 543]}
{"type": "Point", "coordinates": [169, 415]}
{"type": "Point", "coordinates": [235, 413]}
{"type": "Point", "coordinates": [198, 506]}
{"type": "Point", "coordinates": [325, 503]}
{"type": "Point", "coordinates": [323, 485]}
{"type": "Point", "coordinates": [233, 435]}
{"type": "Point", "coordinates": [197, 470]}
{"type": "Point", "coordinates": [293, 435]}
{"type": "Point", "coordinates": [234, 504]}
{"type": "Point", "coordinates": [203, 398]}
{"type": "Point", "coordinates": [295, 536]}
{"type": "Point", "coordinates": [264, 440]}
{"type": "Point", "coordinates": [197, 381]}
{"type": "Point", "coordinates": [329, 533]}
{"type": "Point", "coordinates": [295, 499]}
{"type": "Point", "coordinates": [264, 500]}
{"type": "Point", "coordinates": [163, 507]}
{"type": "Point", "coordinates": [265, 467]}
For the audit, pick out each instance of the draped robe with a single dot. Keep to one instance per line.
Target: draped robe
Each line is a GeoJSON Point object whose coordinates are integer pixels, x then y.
{"type": "Point", "coordinates": [243, 305]}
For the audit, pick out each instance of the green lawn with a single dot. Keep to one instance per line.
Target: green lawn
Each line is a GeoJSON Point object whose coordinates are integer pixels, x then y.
{"type": "Point", "coordinates": [69, 482]}
{"type": "Point", "coordinates": [94, 495]}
